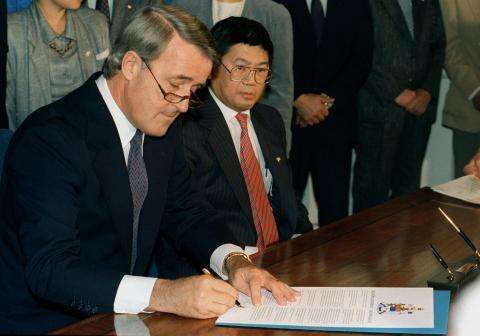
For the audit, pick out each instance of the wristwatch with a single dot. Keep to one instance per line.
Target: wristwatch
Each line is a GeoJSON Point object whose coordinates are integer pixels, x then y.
{"type": "Point", "coordinates": [225, 269]}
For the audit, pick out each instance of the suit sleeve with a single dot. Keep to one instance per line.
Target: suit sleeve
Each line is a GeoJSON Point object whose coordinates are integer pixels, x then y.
{"type": "Point", "coordinates": [47, 180]}
{"type": "Point", "coordinates": [461, 68]}
{"type": "Point", "coordinates": [191, 223]}
{"type": "Point", "coordinates": [437, 51]}
{"type": "Point", "coordinates": [281, 93]}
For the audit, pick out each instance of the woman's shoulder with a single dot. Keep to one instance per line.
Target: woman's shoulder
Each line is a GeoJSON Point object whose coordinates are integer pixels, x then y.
{"type": "Point", "coordinates": [91, 16]}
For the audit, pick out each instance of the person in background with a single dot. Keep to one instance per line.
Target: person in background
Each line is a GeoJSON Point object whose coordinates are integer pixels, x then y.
{"type": "Point", "coordinates": [54, 46]}
{"type": "Point", "coordinates": [93, 179]}
{"type": "Point", "coordinates": [397, 105]}
{"type": "Point", "coordinates": [333, 44]}
{"type": "Point", "coordinates": [118, 12]}
{"type": "Point", "coordinates": [235, 146]}
{"type": "Point", "coordinates": [277, 21]}
{"type": "Point", "coordinates": [462, 63]}
{"type": "Point", "coordinates": [3, 63]}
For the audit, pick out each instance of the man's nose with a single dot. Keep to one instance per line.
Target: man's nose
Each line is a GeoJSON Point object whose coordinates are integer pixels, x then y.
{"type": "Point", "coordinates": [183, 105]}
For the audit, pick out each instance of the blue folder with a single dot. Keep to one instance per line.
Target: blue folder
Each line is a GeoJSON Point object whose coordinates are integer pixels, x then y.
{"type": "Point", "coordinates": [441, 305]}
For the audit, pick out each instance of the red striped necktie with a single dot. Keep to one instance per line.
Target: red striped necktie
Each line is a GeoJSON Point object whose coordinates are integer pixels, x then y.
{"type": "Point", "coordinates": [261, 210]}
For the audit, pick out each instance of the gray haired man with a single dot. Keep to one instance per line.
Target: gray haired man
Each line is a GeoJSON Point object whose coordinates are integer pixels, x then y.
{"type": "Point", "coordinates": [93, 180]}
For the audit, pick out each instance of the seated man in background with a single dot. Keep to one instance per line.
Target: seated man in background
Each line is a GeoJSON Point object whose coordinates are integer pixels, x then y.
{"type": "Point", "coordinates": [235, 146]}
{"type": "Point", "coordinates": [91, 181]}
{"type": "Point", "coordinates": [277, 22]}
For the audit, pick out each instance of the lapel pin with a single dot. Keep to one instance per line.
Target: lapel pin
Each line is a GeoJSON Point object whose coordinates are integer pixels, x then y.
{"type": "Point", "coordinates": [129, 6]}
{"type": "Point", "coordinates": [278, 158]}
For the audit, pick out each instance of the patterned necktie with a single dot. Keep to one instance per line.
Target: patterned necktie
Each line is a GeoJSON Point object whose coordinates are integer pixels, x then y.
{"type": "Point", "coordinates": [261, 210]}
{"type": "Point", "coordinates": [318, 19]}
{"type": "Point", "coordinates": [137, 174]}
{"type": "Point", "coordinates": [103, 7]}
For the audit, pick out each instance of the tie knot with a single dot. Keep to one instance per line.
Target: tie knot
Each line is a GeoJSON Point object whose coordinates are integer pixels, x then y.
{"type": "Point", "coordinates": [242, 119]}
{"type": "Point", "coordinates": [137, 138]}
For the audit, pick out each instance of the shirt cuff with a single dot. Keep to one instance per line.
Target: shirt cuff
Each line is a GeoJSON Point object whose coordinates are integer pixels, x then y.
{"type": "Point", "coordinates": [133, 294]}
{"type": "Point", "coordinates": [218, 257]}
{"type": "Point", "coordinates": [474, 93]}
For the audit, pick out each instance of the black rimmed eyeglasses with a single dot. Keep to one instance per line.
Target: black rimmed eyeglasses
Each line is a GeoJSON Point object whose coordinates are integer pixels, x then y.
{"type": "Point", "coordinates": [193, 100]}
{"type": "Point", "coordinates": [240, 72]}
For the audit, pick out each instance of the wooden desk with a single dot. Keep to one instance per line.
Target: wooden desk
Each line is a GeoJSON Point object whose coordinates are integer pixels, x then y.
{"type": "Point", "coordinates": [383, 246]}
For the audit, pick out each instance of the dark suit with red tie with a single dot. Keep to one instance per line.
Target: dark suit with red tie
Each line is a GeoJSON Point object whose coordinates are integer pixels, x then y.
{"type": "Point", "coordinates": [216, 169]}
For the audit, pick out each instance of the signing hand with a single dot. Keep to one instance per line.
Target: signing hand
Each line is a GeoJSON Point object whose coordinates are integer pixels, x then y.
{"type": "Point", "coordinates": [312, 109]}
{"type": "Point", "coordinates": [197, 296]}
{"type": "Point", "coordinates": [250, 279]}
{"type": "Point", "coordinates": [473, 167]}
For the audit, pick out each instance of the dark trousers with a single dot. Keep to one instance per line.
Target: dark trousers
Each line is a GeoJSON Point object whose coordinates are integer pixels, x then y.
{"type": "Point", "coordinates": [328, 161]}
{"type": "Point", "coordinates": [389, 160]}
{"type": "Point", "coordinates": [465, 146]}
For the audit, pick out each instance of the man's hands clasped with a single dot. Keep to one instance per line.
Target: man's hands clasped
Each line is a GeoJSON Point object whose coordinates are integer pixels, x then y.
{"type": "Point", "coordinates": [312, 108]}
{"type": "Point", "coordinates": [414, 101]}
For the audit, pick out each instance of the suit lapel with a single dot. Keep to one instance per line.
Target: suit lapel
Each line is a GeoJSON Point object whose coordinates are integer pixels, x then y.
{"type": "Point", "coordinates": [396, 13]}
{"type": "Point", "coordinates": [206, 7]}
{"type": "Point", "coordinates": [247, 9]}
{"type": "Point", "coordinates": [272, 156]}
{"type": "Point", "coordinates": [85, 51]}
{"type": "Point", "coordinates": [221, 142]}
{"type": "Point", "coordinates": [37, 55]}
{"type": "Point", "coordinates": [106, 152]}
{"type": "Point", "coordinates": [419, 8]}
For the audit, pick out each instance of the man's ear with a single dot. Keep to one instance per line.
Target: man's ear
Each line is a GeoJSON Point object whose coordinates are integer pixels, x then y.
{"type": "Point", "coordinates": [131, 65]}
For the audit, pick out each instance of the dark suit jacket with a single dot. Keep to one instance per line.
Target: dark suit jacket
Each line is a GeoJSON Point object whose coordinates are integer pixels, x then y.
{"type": "Point", "coordinates": [216, 170]}
{"type": "Point", "coordinates": [340, 65]}
{"type": "Point", "coordinates": [3, 63]}
{"type": "Point", "coordinates": [400, 62]}
{"type": "Point", "coordinates": [66, 213]}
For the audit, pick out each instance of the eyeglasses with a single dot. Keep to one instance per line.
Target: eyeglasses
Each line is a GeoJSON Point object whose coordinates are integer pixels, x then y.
{"type": "Point", "coordinates": [239, 73]}
{"type": "Point", "coordinates": [193, 100]}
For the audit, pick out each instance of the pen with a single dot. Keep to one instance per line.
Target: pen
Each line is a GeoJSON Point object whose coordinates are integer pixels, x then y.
{"type": "Point", "coordinates": [207, 272]}
{"type": "Point", "coordinates": [442, 262]}
{"type": "Point", "coordinates": [462, 234]}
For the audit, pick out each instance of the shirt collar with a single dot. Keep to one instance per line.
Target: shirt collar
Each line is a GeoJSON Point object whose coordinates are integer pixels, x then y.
{"type": "Point", "coordinates": [125, 129]}
{"type": "Point", "coordinates": [228, 113]}
{"type": "Point", "coordinates": [47, 32]}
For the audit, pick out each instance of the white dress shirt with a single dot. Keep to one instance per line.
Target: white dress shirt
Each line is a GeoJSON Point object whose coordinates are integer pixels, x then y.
{"type": "Point", "coordinates": [323, 2]}
{"type": "Point", "coordinates": [223, 10]}
{"type": "Point", "coordinates": [133, 293]}
{"type": "Point", "coordinates": [93, 3]}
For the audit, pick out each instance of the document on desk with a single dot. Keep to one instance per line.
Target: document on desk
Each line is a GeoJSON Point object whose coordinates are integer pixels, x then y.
{"type": "Point", "coordinates": [340, 308]}
{"type": "Point", "coordinates": [465, 188]}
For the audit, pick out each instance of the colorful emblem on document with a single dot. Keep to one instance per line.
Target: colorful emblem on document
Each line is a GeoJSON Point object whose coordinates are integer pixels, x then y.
{"type": "Point", "coordinates": [397, 308]}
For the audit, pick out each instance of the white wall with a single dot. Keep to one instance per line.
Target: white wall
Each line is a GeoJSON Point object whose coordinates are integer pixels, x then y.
{"type": "Point", "coordinates": [438, 163]}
